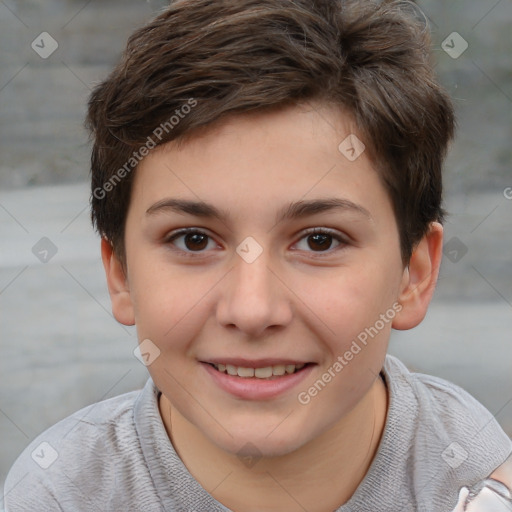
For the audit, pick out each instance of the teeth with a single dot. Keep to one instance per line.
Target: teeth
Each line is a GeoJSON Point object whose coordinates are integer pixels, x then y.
{"type": "Point", "coordinates": [231, 369]}
{"type": "Point", "coordinates": [263, 373]}
{"type": "Point", "coordinates": [245, 372]}
{"type": "Point", "coordinates": [260, 373]}
{"type": "Point", "coordinates": [278, 370]}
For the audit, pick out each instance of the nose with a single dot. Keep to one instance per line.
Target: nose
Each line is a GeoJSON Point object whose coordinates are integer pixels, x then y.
{"type": "Point", "coordinates": [254, 299]}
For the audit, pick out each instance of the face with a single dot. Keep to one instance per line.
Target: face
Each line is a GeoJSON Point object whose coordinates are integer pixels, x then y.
{"type": "Point", "coordinates": [258, 245]}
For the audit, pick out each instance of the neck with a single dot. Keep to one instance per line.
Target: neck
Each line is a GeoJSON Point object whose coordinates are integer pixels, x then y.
{"type": "Point", "coordinates": [320, 476]}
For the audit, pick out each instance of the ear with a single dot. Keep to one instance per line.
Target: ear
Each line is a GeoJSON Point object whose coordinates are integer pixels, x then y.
{"type": "Point", "coordinates": [419, 279]}
{"type": "Point", "coordinates": [117, 283]}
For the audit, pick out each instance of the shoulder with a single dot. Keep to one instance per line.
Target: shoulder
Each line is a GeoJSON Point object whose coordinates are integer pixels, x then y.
{"type": "Point", "coordinates": [452, 430]}
{"type": "Point", "coordinates": [445, 401]}
{"type": "Point", "coordinates": [67, 462]}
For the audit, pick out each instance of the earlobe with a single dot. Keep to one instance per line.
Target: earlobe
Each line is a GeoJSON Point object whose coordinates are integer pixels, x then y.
{"type": "Point", "coordinates": [419, 279]}
{"type": "Point", "coordinates": [117, 282]}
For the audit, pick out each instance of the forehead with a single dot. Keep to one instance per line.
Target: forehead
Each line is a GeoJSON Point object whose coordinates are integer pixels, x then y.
{"type": "Point", "coordinates": [312, 128]}
{"type": "Point", "coordinates": [263, 158]}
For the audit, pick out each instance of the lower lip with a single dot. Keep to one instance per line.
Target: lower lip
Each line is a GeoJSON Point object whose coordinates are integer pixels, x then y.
{"type": "Point", "coordinates": [252, 388]}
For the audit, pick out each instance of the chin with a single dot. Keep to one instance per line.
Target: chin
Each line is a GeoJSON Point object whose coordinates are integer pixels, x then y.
{"type": "Point", "coordinates": [256, 445]}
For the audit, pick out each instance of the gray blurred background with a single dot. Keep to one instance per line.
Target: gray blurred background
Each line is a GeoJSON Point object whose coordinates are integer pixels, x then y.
{"type": "Point", "coordinates": [61, 349]}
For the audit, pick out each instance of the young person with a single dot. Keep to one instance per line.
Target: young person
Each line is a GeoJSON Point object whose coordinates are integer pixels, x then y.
{"type": "Point", "coordinates": [266, 179]}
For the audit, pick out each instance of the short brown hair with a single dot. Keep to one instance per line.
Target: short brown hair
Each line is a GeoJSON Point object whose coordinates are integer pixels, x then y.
{"type": "Point", "coordinates": [233, 56]}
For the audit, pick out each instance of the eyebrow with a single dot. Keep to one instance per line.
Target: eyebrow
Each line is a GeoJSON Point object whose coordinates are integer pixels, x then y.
{"type": "Point", "coordinates": [295, 210]}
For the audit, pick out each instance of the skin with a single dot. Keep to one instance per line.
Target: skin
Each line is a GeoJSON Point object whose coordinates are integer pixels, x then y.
{"type": "Point", "coordinates": [502, 474]}
{"type": "Point", "coordinates": [294, 301]}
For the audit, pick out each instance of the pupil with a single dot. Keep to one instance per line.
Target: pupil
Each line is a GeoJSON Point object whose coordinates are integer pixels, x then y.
{"type": "Point", "coordinates": [195, 239]}
{"type": "Point", "coordinates": [322, 241]}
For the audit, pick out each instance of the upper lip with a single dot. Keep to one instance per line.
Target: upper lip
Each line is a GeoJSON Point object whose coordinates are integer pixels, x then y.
{"type": "Point", "coordinates": [253, 363]}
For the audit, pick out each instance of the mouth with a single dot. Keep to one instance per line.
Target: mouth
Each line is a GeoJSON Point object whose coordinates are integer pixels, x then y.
{"type": "Point", "coordinates": [268, 372]}
{"type": "Point", "coordinates": [257, 379]}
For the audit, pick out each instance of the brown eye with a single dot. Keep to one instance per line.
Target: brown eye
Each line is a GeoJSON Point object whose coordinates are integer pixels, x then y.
{"type": "Point", "coordinates": [321, 241]}
{"type": "Point", "coordinates": [196, 241]}
{"type": "Point", "coordinates": [190, 241]}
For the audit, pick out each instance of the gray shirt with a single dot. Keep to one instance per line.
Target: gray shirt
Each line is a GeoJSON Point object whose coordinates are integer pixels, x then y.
{"type": "Point", "coordinates": [116, 456]}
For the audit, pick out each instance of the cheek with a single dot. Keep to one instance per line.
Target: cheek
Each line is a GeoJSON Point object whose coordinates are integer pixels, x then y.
{"type": "Point", "coordinates": [170, 302]}
{"type": "Point", "coordinates": [358, 309]}
{"type": "Point", "coordinates": [352, 299]}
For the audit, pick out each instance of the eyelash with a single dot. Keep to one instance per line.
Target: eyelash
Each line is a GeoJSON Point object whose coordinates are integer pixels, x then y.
{"type": "Point", "coordinates": [308, 232]}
